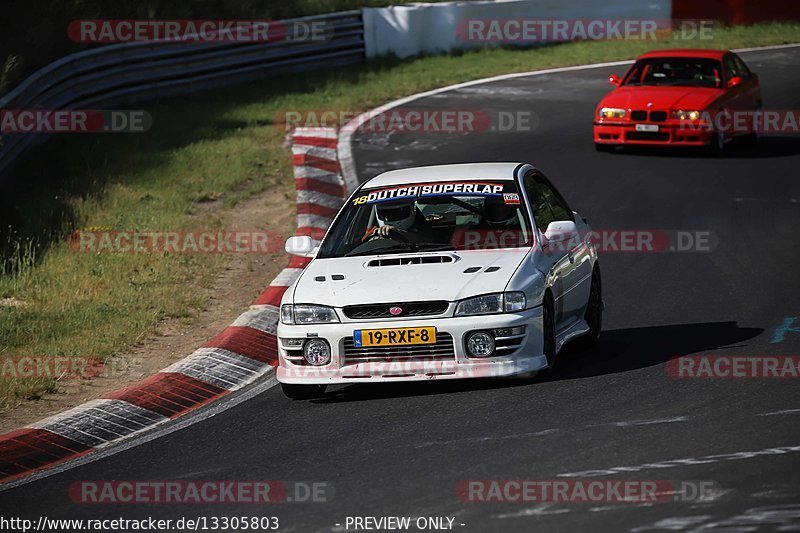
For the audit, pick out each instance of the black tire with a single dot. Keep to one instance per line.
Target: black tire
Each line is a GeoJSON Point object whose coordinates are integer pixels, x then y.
{"type": "Point", "coordinates": [303, 392]}
{"type": "Point", "coordinates": [600, 147]}
{"type": "Point", "coordinates": [717, 145]}
{"type": "Point", "coordinates": [754, 136]}
{"type": "Point", "coordinates": [549, 333]}
{"type": "Point", "coordinates": [594, 312]}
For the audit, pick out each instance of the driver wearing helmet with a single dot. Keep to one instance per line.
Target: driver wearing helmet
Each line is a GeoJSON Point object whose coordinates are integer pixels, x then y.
{"type": "Point", "coordinates": [398, 216]}
{"type": "Point", "coordinates": [393, 216]}
{"type": "Point", "coordinates": [497, 214]}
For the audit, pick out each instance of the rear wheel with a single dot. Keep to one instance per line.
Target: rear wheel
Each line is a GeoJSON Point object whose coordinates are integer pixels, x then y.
{"type": "Point", "coordinates": [302, 392]}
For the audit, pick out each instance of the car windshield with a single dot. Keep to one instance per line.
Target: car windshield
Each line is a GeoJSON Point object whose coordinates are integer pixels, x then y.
{"type": "Point", "coordinates": [420, 217]}
{"type": "Point", "coordinates": [688, 72]}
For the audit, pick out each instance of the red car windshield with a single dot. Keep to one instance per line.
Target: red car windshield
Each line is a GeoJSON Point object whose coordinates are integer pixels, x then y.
{"type": "Point", "coordinates": [675, 71]}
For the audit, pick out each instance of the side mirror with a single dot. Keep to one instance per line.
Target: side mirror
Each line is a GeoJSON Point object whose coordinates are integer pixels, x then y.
{"type": "Point", "coordinates": [734, 81]}
{"type": "Point", "coordinates": [300, 245]}
{"type": "Point", "coordinates": [614, 80]}
{"type": "Point", "coordinates": [560, 230]}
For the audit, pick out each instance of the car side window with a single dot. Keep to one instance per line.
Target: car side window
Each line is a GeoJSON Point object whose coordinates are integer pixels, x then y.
{"type": "Point", "coordinates": [542, 214]}
{"type": "Point", "coordinates": [558, 206]}
{"type": "Point", "coordinates": [741, 67]}
{"type": "Point", "coordinates": [547, 204]}
{"type": "Point", "coordinates": [731, 69]}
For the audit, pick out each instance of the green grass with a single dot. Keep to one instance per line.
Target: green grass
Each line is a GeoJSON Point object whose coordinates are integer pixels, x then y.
{"type": "Point", "coordinates": [217, 145]}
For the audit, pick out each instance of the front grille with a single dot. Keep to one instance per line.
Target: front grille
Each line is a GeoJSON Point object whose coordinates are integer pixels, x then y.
{"type": "Point", "coordinates": [442, 350]}
{"type": "Point", "coordinates": [641, 115]}
{"type": "Point", "coordinates": [646, 136]}
{"type": "Point", "coordinates": [408, 309]}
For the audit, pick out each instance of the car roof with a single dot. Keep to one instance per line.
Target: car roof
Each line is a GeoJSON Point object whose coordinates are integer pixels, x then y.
{"type": "Point", "coordinates": [443, 173]}
{"type": "Point", "coordinates": [686, 52]}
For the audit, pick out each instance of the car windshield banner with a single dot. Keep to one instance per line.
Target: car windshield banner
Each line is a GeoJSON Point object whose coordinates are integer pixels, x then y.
{"type": "Point", "coordinates": [507, 190]}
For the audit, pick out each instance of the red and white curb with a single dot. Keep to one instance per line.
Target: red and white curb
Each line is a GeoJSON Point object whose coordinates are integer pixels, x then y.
{"type": "Point", "coordinates": [242, 353]}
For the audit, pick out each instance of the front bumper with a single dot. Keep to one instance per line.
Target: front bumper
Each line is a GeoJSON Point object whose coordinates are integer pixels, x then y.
{"type": "Point", "coordinates": [671, 133]}
{"type": "Point", "coordinates": [526, 357]}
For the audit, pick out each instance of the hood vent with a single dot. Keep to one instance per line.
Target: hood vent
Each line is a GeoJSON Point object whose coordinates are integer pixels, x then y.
{"type": "Point", "coordinates": [415, 260]}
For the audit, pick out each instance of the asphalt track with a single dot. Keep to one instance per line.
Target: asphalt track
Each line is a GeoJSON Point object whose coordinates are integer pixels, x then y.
{"type": "Point", "coordinates": [402, 449]}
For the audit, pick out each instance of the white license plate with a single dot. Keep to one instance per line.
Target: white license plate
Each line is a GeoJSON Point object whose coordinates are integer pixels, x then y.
{"type": "Point", "coordinates": [647, 127]}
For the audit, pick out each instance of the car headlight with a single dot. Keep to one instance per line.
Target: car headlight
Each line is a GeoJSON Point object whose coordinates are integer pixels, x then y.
{"type": "Point", "coordinates": [499, 302]}
{"type": "Point", "coordinates": [686, 115]}
{"type": "Point", "coordinates": [308, 314]}
{"type": "Point", "coordinates": [612, 112]}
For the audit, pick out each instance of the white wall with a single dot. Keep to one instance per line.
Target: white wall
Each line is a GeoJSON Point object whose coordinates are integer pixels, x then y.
{"type": "Point", "coordinates": [412, 29]}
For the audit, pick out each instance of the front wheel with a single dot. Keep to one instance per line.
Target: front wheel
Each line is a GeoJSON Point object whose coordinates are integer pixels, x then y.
{"type": "Point", "coordinates": [594, 312]}
{"type": "Point", "coordinates": [549, 333]}
{"type": "Point", "coordinates": [302, 392]}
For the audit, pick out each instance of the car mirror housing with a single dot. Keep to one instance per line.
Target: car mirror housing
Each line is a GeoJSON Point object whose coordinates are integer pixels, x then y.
{"type": "Point", "coordinates": [734, 81]}
{"type": "Point", "coordinates": [300, 245]}
{"type": "Point", "coordinates": [560, 230]}
{"type": "Point", "coordinates": [614, 80]}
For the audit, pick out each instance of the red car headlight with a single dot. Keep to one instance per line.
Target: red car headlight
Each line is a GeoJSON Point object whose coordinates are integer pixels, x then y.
{"type": "Point", "coordinates": [612, 112]}
{"type": "Point", "coordinates": [686, 115]}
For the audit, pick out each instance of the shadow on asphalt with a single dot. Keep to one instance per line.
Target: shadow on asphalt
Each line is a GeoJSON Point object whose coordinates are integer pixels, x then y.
{"type": "Point", "coordinates": [766, 147]}
{"type": "Point", "coordinates": [620, 350]}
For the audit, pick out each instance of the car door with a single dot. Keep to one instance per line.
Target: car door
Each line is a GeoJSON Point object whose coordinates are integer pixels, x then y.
{"type": "Point", "coordinates": [750, 83]}
{"type": "Point", "coordinates": [578, 270]}
{"type": "Point", "coordinates": [555, 259]}
{"type": "Point", "coordinates": [738, 99]}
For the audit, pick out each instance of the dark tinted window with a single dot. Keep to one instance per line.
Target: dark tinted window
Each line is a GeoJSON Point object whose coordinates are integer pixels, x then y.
{"type": "Point", "coordinates": [675, 71]}
{"type": "Point", "coordinates": [559, 208]}
{"type": "Point", "coordinates": [741, 67]}
{"type": "Point", "coordinates": [731, 70]}
{"type": "Point", "coordinates": [546, 203]}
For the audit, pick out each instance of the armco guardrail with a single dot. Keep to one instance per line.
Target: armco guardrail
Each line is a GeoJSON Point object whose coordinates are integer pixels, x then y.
{"type": "Point", "coordinates": [147, 70]}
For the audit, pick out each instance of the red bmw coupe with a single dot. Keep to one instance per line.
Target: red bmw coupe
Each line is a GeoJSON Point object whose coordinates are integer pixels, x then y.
{"type": "Point", "coordinates": [679, 98]}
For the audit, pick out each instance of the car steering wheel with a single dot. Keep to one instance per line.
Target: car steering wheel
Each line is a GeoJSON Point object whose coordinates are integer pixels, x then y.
{"type": "Point", "coordinates": [396, 234]}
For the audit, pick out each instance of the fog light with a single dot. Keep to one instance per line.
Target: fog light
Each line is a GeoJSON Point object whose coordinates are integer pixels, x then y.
{"type": "Point", "coordinates": [317, 352]}
{"type": "Point", "coordinates": [480, 344]}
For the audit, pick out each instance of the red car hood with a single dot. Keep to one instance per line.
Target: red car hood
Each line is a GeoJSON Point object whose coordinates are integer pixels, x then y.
{"type": "Point", "coordinates": [687, 98]}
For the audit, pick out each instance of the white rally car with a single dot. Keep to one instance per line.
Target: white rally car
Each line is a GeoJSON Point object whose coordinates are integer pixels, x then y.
{"type": "Point", "coordinates": [440, 272]}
